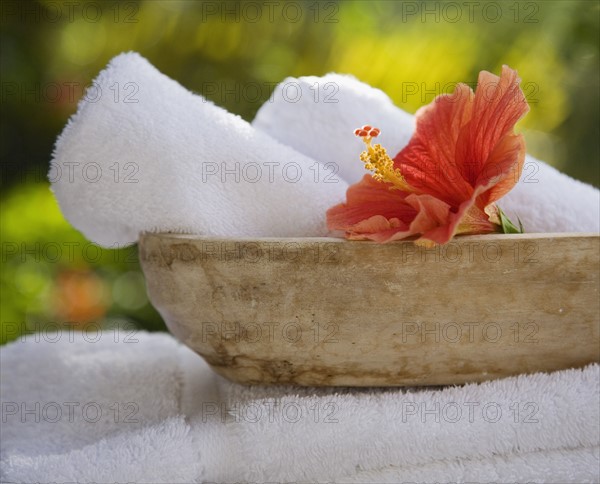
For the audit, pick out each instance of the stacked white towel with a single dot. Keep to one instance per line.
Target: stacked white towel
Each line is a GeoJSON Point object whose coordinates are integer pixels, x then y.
{"type": "Point", "coordinates": [146, 409]}
{"type": "Point", "coordinates": [321, 121]}
{"type": "Point", "coordinates": [144, 154]}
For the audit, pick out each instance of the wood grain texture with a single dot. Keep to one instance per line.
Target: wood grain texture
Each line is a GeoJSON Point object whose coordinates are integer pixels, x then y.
{"type": "Point", "coordinates": [320, 311]}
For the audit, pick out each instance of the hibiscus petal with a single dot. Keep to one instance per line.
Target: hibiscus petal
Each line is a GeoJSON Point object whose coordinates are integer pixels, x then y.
{"type": "Point", "coordinates": [468, 219]}
{"type": "Point", "coordinates": [498, 104]}
{"type": "Point", "coordinates": [367, 199]}
{"type": "Point", "coordinates": [503, 169]}
{"type": "Point", "coordinates": [428, 162]}
{"type": "Point", "coordinates": [377, 228]}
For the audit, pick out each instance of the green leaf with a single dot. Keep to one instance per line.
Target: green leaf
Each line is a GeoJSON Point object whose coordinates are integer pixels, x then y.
{"type": "Point", "coordinates": [507, 226]}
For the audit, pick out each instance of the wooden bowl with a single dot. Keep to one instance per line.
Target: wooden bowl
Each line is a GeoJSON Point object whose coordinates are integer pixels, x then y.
{"type": "Point", "coordinates": [320, 311]}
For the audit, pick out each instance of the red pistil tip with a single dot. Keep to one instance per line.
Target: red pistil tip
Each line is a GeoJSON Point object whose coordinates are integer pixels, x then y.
{"type": "Point", "coordinates": [367, 131]}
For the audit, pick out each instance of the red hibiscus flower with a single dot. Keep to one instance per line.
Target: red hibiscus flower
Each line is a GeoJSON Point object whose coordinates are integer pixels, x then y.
{"type": "Point", "coordinates": [462, 158]}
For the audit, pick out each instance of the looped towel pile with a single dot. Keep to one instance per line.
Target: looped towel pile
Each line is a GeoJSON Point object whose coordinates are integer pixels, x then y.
{"type": "Point", "coordinates": [139, 407]}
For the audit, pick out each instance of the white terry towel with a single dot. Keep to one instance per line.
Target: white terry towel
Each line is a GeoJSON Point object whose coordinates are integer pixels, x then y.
{"type": "Point", "coordinates": [178, 422]}
{"type": "Point", "coordinates": [142, 153]}
{"type": "Point", "coordinates": [321, 120]}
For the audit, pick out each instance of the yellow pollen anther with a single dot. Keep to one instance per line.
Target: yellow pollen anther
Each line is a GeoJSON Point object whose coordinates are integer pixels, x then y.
{"type": "Point", "coordinates": [377, 160]}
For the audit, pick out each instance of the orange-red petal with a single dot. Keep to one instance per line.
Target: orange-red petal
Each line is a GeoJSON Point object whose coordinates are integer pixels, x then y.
{"type": "Point", "coordinates": [498, 104]}
{"type": "Point", "coordinates": [503, 168]}
{"type": "Point", "coordinates": [367, 199]}
{"type": "Point", "coordinates": [468, 219]}
{"type": "Point", "coordinates": [428, 162]}
{"type": "Point", "coordinates": [461, 141]}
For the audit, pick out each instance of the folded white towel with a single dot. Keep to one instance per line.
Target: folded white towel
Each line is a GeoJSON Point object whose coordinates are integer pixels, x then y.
{"type": "Point", "coordinates": [178, 422]}
{"type": "Point", "coordinates": [88, 409]}
{"type": "Point", "coordinates": [320, 123]}
{"type": "Point", "coordinates": [144, 154]}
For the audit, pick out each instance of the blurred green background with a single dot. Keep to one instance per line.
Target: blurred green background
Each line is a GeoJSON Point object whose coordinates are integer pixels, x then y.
{"type": "Point", "coordinates": [234, 53]}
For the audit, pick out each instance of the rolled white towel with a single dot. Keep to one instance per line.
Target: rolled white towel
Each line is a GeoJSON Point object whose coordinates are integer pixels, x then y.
{"type": "Point", "coordinates": [321, 120]}
{"type": "Point", "coordinates": [317, 115]}
{"type": "Point", "coordinates": [145, 154]}
{"type": "Point", "coordinates": [546, 200]}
